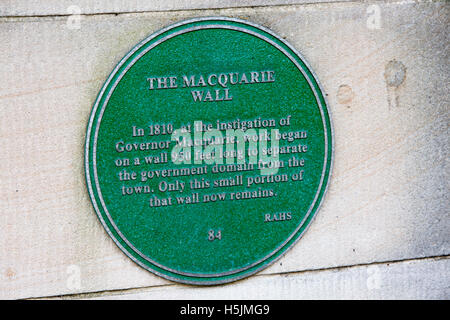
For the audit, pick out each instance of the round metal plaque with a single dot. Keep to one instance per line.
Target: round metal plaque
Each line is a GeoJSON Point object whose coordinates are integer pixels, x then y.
{"type": "Point", "coordinates": [208, 150]}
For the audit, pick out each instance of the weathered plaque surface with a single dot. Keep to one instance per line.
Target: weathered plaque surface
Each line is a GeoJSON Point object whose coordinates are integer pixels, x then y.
{"type": "Point", "coordinates": [208, 150]}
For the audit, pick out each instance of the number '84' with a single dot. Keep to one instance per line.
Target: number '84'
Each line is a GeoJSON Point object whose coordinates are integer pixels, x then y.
{"type": "Point", "coordinates": [213, 235]}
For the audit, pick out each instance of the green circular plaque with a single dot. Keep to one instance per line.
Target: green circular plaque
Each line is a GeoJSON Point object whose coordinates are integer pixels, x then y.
{"type": "Point", "coordinates": [208, 150]}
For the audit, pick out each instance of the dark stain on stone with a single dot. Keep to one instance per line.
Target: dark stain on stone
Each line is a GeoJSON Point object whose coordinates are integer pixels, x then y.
{"type": "Point", "coordinates": [394, 73]}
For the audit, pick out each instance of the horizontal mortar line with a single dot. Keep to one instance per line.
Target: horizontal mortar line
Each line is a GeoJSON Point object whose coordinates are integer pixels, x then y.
{"type": "Point", "coordinates": [334, 73]}
{"type": "Point", "coordinates": [116, 292]}
{"type": "Point", "coordinates": [175, 10]}
{"type": "Point", "coordinates": [387, 43]}
{"type": "Point", "coordinates": [402, 36]}
{"type": "Point", "coordinates": [164, 10]}
{"type": "Point", "coordinates": [358, 265]}
{"type": "Point", "coordinates": [12, 16]}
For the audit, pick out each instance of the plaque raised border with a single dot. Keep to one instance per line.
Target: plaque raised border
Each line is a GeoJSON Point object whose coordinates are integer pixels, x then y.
{"type": "Point", "coordinates": [94, 124]}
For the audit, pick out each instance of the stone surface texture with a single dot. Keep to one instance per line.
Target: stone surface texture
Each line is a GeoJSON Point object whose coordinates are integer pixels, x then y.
{"type": "Point", "coordinates": [384, 228]}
